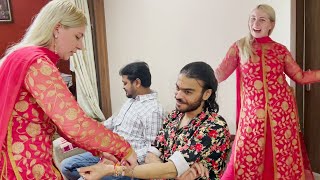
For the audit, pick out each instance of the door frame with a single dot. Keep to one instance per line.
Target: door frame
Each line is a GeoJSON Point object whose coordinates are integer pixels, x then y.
{"type": "Point", "coordinates": [300, 57]}
{"type": "Point", "coordinates": [98, 26]}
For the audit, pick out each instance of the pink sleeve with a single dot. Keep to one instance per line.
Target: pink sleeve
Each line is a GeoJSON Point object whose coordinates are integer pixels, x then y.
{"type": "Point", "coordinates": [229, 64]}
{"type": "Point", "coordinates": [293, 70]}
{"type": "Point", "coordinates": [44, 82]}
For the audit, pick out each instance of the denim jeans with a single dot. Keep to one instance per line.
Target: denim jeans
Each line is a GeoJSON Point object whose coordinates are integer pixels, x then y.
{"type": "Point", "coordinates": [69, 166]}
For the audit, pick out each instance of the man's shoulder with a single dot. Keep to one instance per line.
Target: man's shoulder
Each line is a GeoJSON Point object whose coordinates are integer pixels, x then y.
{"type": "Point", "coordinates": [216, 120]}
{"type": "Point", "coordinates": [151, 104]}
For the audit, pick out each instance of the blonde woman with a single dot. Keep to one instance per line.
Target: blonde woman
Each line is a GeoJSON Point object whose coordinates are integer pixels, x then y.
{"type": "Point", "coordinates": [35, 102]}
{"type": "Point", "coordinates": [268, 143]}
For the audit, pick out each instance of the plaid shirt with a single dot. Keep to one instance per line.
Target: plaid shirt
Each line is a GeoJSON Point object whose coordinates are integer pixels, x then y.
{"type": "Point", "coordinates": [138, 122]}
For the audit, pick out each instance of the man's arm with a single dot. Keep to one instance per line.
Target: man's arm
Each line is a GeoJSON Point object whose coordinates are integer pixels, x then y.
{"type": "Point", "coordinates": [152, 158]}
{"type": "Point", "coordinates": [152, 124]}
{"type": "Point", "coordinates": [210, 142]}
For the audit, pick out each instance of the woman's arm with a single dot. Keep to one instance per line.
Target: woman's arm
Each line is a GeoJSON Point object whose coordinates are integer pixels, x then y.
{"type": "Point", "coordinates": [228, 64]}
{"type": "Point", "coordinates": [45, 84]}
{"type": "Point", "coordinates": [293, 70]}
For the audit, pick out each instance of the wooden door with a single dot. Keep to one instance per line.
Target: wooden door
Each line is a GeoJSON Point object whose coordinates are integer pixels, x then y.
{"type": "Point", "coordinates": [308, 48]}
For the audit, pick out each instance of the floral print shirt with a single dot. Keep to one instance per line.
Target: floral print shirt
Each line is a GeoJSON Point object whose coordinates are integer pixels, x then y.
{"type": "Point", "coordinates": [205, 139]}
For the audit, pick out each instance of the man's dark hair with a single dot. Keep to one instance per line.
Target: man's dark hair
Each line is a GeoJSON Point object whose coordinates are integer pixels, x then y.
{"type": "Point", "coordinates": [137, 70]}
{"type": "Point", "coordinates": [202, 71]}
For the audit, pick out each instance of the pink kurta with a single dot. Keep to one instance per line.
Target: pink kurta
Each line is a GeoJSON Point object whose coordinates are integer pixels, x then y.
{"type": "Point", "coordinates": [267, 144]}
{"type": "Point", "coordinates": [42, 106]}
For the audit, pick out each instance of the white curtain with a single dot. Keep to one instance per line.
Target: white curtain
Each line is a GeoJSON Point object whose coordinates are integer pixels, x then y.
{"type": "Point", "coordinates": [84, 68]}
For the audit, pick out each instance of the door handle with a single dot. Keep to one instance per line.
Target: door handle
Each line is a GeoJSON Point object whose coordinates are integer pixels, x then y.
{"type": "Point", "coordinates": [308, 87]}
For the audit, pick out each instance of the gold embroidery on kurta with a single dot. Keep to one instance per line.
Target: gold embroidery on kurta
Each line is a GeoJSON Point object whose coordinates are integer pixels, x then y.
{"type": "Point", "coordinates": [249, 158]}
{"type": "Point", "coordinates": [260, 113]}
{"type": "Point", "coordinates": [240, 172]}
{"type": "Point", "coordinates": [280, 80]}
{"type": "Point", "coordinates": [285, 105]}
{"type": "Point", "coordinates": [33, 129]}
{"type": "Point", "coordinates": [258, 84]}
{"type": "Point", "coordinates": [21, 106]}
{"type": "Point", "coordinates": [71, 114]}
{"type": "Point", "coordinates": [288, 133]}
{"type": "Point", "coordinates": [46, 70]}
{"type": "Point", "coordinates": [17, 147]}
{"type": "Point", "coordinates": [261, 142]}
{"type": "Point", "coordinates": [38, 171]}
{"type": "Point", "coordinates": [10, 153]}
{"type": "Point", "coordinates": [289, 160]}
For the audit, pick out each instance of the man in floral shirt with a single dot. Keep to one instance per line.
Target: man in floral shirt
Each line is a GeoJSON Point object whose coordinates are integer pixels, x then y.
{"type": "Point", "coordinates": [194, 132]}
{"type": "Point", "coordinates": [192, 135]}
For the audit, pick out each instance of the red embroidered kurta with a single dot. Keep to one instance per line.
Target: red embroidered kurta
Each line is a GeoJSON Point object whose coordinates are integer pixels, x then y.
{"type": "Point", "coordinates": [267, 144]}
{"type": "Point", "coordinates": [42, 106]}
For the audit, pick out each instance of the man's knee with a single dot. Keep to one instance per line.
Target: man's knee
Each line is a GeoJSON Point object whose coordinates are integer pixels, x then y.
{"type": "Point", "coordinates": [66, 164]}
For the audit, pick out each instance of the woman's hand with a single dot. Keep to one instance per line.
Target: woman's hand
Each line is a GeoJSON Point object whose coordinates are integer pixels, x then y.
{"type": "Point", "coordinates": [196, 170]}
{"type": "Point", "coordinates": [131, 160]}
{"type": "Point", "coordinates": [96, 172]}
{"type": "Point", "coordinates": [109, 157]}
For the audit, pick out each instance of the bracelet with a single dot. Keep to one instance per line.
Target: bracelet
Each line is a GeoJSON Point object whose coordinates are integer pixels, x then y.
{"type": "Point", "coordinates": [118, 170]}
{"type": "Point", "coordinates": [115, 170]}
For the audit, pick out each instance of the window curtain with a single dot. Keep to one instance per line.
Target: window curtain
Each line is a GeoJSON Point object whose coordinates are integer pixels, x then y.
{"type": "Point", "coordinates": [84, 68]}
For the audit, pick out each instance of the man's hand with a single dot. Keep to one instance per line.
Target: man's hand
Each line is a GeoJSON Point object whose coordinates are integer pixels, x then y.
{"type": "Point", "coordinates": [196, 170]}
{"type": "Point", "coordinates": [152, 158]}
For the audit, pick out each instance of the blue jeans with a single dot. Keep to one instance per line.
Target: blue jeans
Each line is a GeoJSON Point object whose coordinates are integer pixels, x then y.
{"type": "Point", "coordinates": [69, 166]}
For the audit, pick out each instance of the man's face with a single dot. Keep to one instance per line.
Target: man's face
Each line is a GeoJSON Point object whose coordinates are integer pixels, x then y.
{"type": "Point", "coordinates": [129, 87]}
{"type": "Point", "coordinates": [188, 95]}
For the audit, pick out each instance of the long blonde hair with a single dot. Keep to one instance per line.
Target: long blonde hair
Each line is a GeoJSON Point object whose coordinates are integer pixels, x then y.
{"type": "Point", "coordinates": [40, 32]}
{"type": "Point", "coordinates": [244, 44]}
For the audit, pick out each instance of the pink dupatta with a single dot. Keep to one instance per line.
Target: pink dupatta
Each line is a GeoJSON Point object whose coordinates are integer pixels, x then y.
{"type": "Point", "coordinates": [12, 74]}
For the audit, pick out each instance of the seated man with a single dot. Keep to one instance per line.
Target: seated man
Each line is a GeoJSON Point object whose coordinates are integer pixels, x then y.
{"type": "Point", "coordinates": [193, 133]}
{"type": "Point", "coordinates": [138, 121]}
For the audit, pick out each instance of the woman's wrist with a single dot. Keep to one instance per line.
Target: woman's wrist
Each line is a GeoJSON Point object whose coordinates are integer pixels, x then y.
{"type": "Point", "coordinates": [129, 154]}
{"type": "Point", "coordinates": [118, 170]}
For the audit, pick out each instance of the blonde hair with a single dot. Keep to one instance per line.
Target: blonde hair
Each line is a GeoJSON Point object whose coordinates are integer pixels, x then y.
{"type": "Point", "coordinates": [40, 32]}
{"type": "Point", "coordinates": [244, 44]}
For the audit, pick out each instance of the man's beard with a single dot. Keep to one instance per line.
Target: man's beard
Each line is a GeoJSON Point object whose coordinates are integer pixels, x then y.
{"type": "Point", "coordinates": [129, 95]}
{"type": "Point", "coordinates": [190, 107]}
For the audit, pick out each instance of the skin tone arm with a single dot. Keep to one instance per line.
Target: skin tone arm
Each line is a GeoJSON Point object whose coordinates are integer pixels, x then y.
{"type": "Point", "coordinates": [196, 170]}
{"type": "Point", "coordinates": [152, 158]}
{"type": "Point", "coordinates": [155, 170]}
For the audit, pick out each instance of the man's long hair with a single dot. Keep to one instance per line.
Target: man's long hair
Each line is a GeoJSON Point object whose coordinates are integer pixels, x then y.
{"type": "Point", "coordinates": [202, 71]}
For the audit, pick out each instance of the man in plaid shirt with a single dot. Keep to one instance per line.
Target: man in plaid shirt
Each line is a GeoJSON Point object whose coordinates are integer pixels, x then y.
{"type": "Point", "coordinates": [138, 121]}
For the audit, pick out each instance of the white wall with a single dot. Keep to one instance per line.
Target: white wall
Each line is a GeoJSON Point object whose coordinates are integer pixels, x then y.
{"type": "Point", "coordinates": [168, 34]}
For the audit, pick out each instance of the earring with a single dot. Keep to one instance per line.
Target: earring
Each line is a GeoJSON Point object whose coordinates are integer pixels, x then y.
{"type": "Point", "coordinates": [55, 45]}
